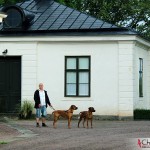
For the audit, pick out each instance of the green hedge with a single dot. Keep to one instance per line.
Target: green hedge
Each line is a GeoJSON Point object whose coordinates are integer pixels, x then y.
{"type": "Point", "coordinates": [141, 114]}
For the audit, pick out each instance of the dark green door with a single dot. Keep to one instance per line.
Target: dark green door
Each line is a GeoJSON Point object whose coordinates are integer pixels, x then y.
{"type": "Point", "coordinates": [10, 83]}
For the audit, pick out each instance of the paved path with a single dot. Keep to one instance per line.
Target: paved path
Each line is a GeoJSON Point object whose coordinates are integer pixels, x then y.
{"type": "Point", "coordinates": [106, 135]}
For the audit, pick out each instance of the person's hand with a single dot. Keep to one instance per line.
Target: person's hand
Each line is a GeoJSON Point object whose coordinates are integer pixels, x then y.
{"type": "Point", "coordinates": [39, 105]}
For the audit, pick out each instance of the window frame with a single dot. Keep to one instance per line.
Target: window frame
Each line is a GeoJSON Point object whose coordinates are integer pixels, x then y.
{"type": "Point", "coordinates": [77, 71]}
{"type": "Point", "coordinates": [141, 75]}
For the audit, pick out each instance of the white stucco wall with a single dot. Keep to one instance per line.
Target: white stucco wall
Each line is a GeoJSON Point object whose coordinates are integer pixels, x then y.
{"type": "Point", "coordinates": [114, 70]}
{"type": "Point", "coordinates": [27, 52]}
{"type": "Point", "coordinates": [126, 78]}
{"type": "Point", "coordinates": [142, 51]}
{"type": "Point", "coordinates": [104, 74]}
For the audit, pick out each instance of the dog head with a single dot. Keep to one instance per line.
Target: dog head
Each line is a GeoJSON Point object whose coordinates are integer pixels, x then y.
{"type": "Point", "coordinates": [91, 109]}
{"type": "Point", "coordinates": [73, 107]}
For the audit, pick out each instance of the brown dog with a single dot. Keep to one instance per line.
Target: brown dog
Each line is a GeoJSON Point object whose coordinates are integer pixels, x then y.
{"type": "Point", "coordinates": [86, 115]}
{"type": "Point", "coordinates": [64, 113]}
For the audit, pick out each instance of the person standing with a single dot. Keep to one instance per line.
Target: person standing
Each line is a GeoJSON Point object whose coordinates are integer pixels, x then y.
{"type": "Point", "coordinates": [41, 102]}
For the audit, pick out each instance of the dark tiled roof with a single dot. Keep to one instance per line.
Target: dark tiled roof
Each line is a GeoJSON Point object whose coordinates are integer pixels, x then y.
{"type": "Point", "coordinates": [51, 16]}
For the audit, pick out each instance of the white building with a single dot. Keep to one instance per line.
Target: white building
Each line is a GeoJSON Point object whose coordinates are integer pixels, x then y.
{"type": "Point", "coordinates": [81, 60]}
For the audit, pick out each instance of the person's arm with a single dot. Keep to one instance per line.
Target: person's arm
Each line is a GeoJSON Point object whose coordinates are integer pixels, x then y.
{"type": "Point", "coordinates": [47, 99]}
{"type": "Point", "coordinates": [36, 98]}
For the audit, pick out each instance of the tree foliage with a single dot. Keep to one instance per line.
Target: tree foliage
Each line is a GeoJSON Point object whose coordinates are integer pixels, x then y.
{"type": "Point", "coordinates": [133, 14]}
{"type": "Point", "coordinates": [8, 2]}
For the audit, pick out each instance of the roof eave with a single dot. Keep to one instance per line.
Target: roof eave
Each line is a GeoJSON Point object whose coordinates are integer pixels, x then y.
{"type": "Point", "coordinates": [71, 32]}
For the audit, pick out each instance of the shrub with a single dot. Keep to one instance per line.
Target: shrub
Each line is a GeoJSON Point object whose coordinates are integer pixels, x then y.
{"type": "Point", "coordinates": [26, 110]}
{"type": "Point", "coordinates": [141, 114]}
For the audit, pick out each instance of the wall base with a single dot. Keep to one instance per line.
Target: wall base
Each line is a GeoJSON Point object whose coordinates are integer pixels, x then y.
{"type": "Point", "coordinates": [75, 117]}
{"type": "Point", "coordinates": [100, 117]}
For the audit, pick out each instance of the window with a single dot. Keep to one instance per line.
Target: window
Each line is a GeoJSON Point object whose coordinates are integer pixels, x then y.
{"type": "Point", "coordinates": [77, 76]}
{"type": "Point", "coordinates": [140, 77]}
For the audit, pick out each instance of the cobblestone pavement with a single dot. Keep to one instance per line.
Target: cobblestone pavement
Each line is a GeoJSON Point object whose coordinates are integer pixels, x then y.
{"type": "Point", "coordinates": [106, 135]}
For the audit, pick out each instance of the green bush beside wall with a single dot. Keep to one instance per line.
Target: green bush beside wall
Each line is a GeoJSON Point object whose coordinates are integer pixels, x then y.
{"type": "Point", "coordinates": [26, 110]}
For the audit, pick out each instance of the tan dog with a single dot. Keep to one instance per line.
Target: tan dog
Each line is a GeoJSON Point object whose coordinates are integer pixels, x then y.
{"type": "Point", "coordinates": [86, 115]}
{"type": "Point", "coordinates": [65, 114]}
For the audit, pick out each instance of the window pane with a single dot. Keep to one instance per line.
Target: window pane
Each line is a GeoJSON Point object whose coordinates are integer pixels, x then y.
{"type": "Point", "coordinates": [83, 89]}
{"type": "Point", "coordinates": [140, 85]}
{"type": "Point", "coordinates": [83, 63]}
{"type": "Point", "coordinates": [140, 77]}
{"type": "Point", "coordinates": [71, 77]}
{"type": "Point", "coordinates": [71, 89]}
{"type": "Point", "coordinates": [71, 63]}
{"type": "Point", "coordinates": [84, 77]}
{"type": "Point", "coordinates": [141, 64]}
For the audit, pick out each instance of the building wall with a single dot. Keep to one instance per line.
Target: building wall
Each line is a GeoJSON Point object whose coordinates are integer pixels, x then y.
{"type": "Point", "coordinates": [141, 51]}
{"type": "Point", "coordinates": [104, 74]}
{"type": "Point", "coordinates": [126, 78]}
{"type": "Point", "coordinates": [27, 51]}
{"type": "Point", "coordinates": [114, 70]}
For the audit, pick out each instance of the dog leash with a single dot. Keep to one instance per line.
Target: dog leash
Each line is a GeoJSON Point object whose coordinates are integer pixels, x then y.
{"type": "Point", "coordinates": [52, 107]}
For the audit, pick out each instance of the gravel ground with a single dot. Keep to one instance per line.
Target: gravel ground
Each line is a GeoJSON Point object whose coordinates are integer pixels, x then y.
{"type": "Point", "coordinates": [106, 135]}
{"type": "Point", "coordinates": [6, 132]}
